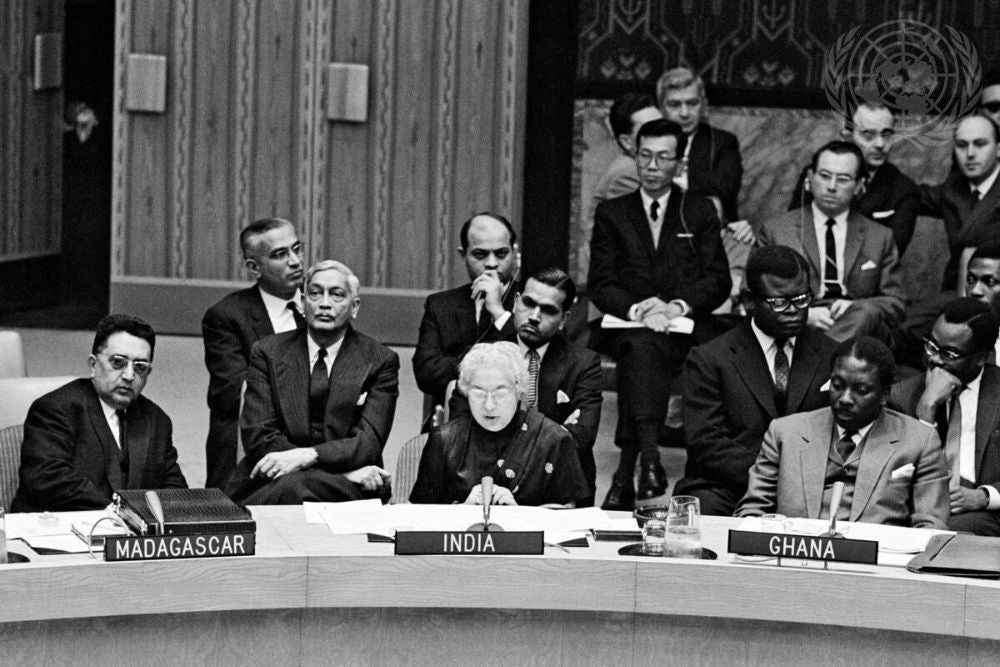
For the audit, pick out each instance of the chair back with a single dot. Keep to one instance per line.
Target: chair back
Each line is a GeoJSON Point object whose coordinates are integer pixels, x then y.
{"type": "Point", "coordinates": [10, 462]}
{"type": "Point", "coordinates": [406, 468]}
{"type": "Point", "coordinates": [17, 395]}
{"type": "Point", "coordinates": [12, 363]}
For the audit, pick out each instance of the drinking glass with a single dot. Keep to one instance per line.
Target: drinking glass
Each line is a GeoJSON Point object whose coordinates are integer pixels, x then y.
{"type": "Point", "coordinates": [652, 536]}
{"type": "Point", "coordinates": [683, 536]}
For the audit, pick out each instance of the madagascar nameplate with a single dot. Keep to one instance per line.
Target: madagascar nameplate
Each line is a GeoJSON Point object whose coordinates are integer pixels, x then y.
{"type": "Point", "coordinates": [807, 547]}
{"type": "Point", "coordinates": [479, 543]}
{"type": "Point", "coordinates": [160, 547]}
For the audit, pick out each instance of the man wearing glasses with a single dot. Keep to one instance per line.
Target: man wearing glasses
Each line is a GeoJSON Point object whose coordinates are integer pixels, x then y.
{"type": "Point", "coordinates": [959, 394]}
{"type": "Point", "coordinates": [96, 435]}
{"type": "Point", "coordinates": [854, 263]}
{"type": "Point", "coordinates": [768, 367]}
{"type": "Point", "coordinates": [655, 256]}
{"type": "Point", "coordinates": [319, 404]}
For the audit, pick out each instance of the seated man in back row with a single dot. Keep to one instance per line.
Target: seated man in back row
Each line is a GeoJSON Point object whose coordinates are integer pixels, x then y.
{"type": "Point", "coordinates": [96, 435]}
{"type": "Point", "coordinates": [891, 465]}
{"type": "Point", "coordinates": [319, 404]}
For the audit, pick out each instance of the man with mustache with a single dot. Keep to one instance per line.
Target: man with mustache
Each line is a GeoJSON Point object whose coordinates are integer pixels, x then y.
{"type": "Point", "coordinates": [96, 435]}
{"type": "Point", "coordinates": [273, 256]}
{"type": "Point", "coordinates": [891, 465]}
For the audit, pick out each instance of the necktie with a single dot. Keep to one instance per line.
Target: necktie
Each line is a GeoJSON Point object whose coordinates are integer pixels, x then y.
{"type": "Point", "coordinates": [976, 195]}
{"type": "Point", "coordinates": [654, 211]}
{"type": "Point", "coordinates": [780, 374]}
{"type": "Point", "coordinates": [953, 441]}
{"type": "Point", "coordinates": [533, 373]}
{"type": "Point", "coordinates": [122, 435]}
{"type": "Point", "coordinates": [300, 321]}
{"type": "Point", "coordinates": [845, 446]}
{"type": "Point", "coordinates": [654, 222]}
{"type": "Point", "coordinates": [830, 273]}
{"type": "Point", "coordinates": [319, 387]}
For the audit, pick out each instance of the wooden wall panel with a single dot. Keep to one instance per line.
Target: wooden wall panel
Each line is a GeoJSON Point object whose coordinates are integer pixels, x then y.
{"type": "Point", "coordinates": [30, 135]}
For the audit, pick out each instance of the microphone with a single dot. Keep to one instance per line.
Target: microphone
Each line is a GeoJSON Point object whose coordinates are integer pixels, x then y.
{"type": "Point", "coordinates": [835, 496]}
{"type": "Point", "coordinates": [487, 487]}
{"type": "Point", "coordinates": [153, 501]}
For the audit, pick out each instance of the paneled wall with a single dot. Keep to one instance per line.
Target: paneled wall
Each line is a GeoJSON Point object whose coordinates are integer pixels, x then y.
{"type": "Point", "coordinates": [244, 134]}
{"type": "Point", "coordinates": [30, 134]}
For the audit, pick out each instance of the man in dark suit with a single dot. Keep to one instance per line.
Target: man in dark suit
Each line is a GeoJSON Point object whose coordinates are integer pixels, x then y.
{"type": "Point", "coordinates": [655, 258]}
{"type": "Point", "coordinates": [479, 312]}
{"type": "Point", "coordinates": [891, 465]}
{"type": "Point", "coordinates": [272, 253]}
{"type": "Point", "coordinates": [960, 395]}
{"type": "Point", "coordinates": [772, 365]}
{"type": "Point", "coordinates": [855, 265]}
{"type": "Point", "coordinates": [982, 281]}
{"type": "Point", "coordinates": [94, 436]}
{"type": "Point", "coordinates": [319, 404]}
{"type": "Point", "coordinates": [888, 197]}
{"type": "Point", "coordinates": [566, 377]}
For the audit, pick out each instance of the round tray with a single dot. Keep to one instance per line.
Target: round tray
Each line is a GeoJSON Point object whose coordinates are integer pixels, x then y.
{"type": "Point", "coordinates": [636, 550]}
{"type": "Point", "coordinates": [15, 559]}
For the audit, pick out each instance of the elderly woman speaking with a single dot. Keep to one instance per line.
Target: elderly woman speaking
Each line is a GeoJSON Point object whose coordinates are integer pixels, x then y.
{"type": "Point", "coordinates": [531, 459]}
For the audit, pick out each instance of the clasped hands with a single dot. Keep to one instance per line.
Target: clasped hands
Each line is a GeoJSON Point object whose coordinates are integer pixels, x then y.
{"type": "Point", "coordinates": [655, 313]}
{"type": "Point", "coordinates": [277, 464]}
{"type": "Point", "coordinates": [823, 317]}
{"type": "Point", "coordinates": [488, 287]}
{"type": "Point", "coordinates": [501, 496]}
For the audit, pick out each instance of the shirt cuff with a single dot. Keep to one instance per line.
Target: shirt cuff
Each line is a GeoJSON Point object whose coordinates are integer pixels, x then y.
{"type": "Point", "coordinates": [502, 320]}
{"type": "Point", "coordinates": [633, 313]}
{"type": "Point", "coordinates": [685, 308]}
{"type": "Point", "coordinates": [934, 425]}
{"type": "Point", "coordinates": [994, 495]}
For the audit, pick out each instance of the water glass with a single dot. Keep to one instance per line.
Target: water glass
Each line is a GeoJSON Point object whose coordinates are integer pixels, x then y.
{"type": "Point", "coordinates": [683, 536]}
{"type": "Point", "coordinates": [653, 532]}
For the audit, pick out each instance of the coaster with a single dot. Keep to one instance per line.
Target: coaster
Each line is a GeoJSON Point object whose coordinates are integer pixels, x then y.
{"type": "Point", "coordinates": [636, 550]}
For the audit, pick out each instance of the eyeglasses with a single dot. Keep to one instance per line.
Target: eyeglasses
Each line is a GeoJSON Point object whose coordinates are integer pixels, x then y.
{"type": "Point", "coordinates": [662, 159]}
{"type": "Point", "coordinates": [948, 354]}
{"type": "Point", "coordinates": [780, 304]}
{"type": "Point", "coordinates": [840, 180]}
{"type": "Point", "coordinates": [992, 107]}
{"type": "Point", "coordinates": [500, 394]}
{"type": "Point", "coordinates": [119, 362]}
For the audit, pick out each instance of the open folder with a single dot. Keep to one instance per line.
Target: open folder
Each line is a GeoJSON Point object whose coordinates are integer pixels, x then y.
{"type": "Point", "coordinates": [959, 555]}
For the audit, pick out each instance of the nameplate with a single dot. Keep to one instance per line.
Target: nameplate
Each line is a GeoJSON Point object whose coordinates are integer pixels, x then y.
{"type": "Point", "coordinates": [803, 547]}
{"type": "Point", "coordinates": [478, 543]}
{"type": "Point", "coordinates": [162, 547]}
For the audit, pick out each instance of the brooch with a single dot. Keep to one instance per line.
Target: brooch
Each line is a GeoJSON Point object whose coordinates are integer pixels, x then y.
{"type": "Point", "coordinates": [548, 468]}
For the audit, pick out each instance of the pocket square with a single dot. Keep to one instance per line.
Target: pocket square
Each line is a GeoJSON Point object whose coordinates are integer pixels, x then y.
{"type": "Point", "coordinates": [869, 265]}
{"type": "Point", "coordinates": [902, 472]}
{"type": "Point", "coordinates": [362, 398]}
{"type": "Point", "coordinates": [561, 397]}
{"type": "Point", "coordinates": [881, 215]}
{"type": "Point", "coordinates": [684, 235]}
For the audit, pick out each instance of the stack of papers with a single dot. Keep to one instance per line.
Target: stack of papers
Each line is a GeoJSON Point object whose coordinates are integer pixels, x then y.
{"type": "Point", "coordinates": [682, 325]}
{"type": "Point", "coordinates": [51, 532]}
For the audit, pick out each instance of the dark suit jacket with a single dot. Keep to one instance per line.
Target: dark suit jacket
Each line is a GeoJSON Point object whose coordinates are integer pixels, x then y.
{"type": "Point", "coordinates": [870, 258]}
{"type": "Point", "coordinates": [789, 474]}
{"type": "Point", "coordinates": [576, 372]}
{"type": "Point", "coordinates": [715, 168]}
{"type": "Point", "coordinates": [906, 394]}
{"type": "Point", "coordinates": [359, 408]}
{"type": "Point", "coordinates": [888, 191]}
{"type": "Point", "coordinates": [729, 402]}
{"type": "Point", "coordinates": [967, 223]}
{"type": "Point", "coordinates": [689, 264]}
{"type": "Point", "coordinates": [230, 328]}
{"type": "Point", "coordinates": [447, 331]}
{"type": "Point", "coordinates": [69, 457]}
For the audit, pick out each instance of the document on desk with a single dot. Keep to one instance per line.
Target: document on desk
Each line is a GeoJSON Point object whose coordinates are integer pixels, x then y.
{"type": "Point", "coordinates": [683, 325]}
{"type": "Point", "coordinates": [51, 532]}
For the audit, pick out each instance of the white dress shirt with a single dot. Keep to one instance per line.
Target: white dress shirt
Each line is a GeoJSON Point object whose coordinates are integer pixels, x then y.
{"type": "Point", "coordinates": [770, 348]}
{"type": "Point", "coordinates": [839, 236]}
{"type": "Point", "coordinates": [112, 416]}
{"type": "Point", "coordinates": [969, 400]}
{"type": "Point", "coordinates": [331, 353]}
{"type": "Point", "coordinates": [277, 310]}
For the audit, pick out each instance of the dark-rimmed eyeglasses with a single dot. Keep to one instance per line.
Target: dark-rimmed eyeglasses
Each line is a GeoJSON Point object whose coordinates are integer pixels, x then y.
{"type": "Point", "coordinates": [662, 159]}
{"type": "Point", "coordinates": [946, 353]}
{"type": "Point", "coordinates": [780, 304]}
{"type": "Point", "coordinates": [119, 362]}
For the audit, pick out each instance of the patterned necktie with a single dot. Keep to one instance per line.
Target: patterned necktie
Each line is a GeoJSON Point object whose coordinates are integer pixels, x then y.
{"type": "Point", "coordinates": [780, 374]}
{"type": "Point", "coordinates": [533, 373]}
{"type": "Point", "coordinates": [830, 273]}
{"type": "Point", "coordinates": [300, 322]}
{"type": "Point", "coordinates": [319, 387]}
{"type": "Point", "coordinates": [845, 446]}
{"type": "Point", "coordinates": [953, 441]}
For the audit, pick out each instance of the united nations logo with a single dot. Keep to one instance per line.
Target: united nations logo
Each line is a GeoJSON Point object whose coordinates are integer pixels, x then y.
{"type": "Point", "coordinates": [927, 79]}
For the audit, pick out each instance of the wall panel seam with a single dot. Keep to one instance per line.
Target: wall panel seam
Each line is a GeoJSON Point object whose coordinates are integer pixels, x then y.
{"type": "Point", "coordinates": [119, 167]}
{"type": "Point", "coordinates": [445, 151]}
{"type": "Point", "coordinates": [183, 86]}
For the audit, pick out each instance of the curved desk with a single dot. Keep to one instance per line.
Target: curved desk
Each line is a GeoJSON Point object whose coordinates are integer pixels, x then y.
{"type": "Point", "coordinates": [309, 597]}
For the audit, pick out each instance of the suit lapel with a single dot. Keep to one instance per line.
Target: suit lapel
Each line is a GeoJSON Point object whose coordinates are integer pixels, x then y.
{"type": "Point", "coordinates": [640, 223]}
{"type": "Point", "coordinates": [987, 409]}
{"type": "Point", "coordinates": [257, 313]}
{"type": "Point", "coordinates": [810, 246]}
{"type": "Point", "coordinates": [812, 462]}
{"type": "Point", "coordinates": [347, 379]}
{"type": "Point", "coordinates": [875, 455]}
{"type": "Point", "coordinates": [549, 375]}
{"type": "Point", "coordinates": [112, 454]}
{"type": "Point", "coordinates": [291, 379]}
{"type": "Point", "coordinates": [805, 365]}
{"type": "Point", "coordinates": [857, 229]}
{"type": "Point", "coordinates": [752, 369]}
{"type": "Point", "coordinates": [464, 317]}
{"type": "Point", "coordinates": [985, 207]}
{"type": "Point", "coordinates": [137, 433]}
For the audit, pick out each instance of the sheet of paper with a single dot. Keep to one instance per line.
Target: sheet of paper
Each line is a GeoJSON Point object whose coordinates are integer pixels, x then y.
{"type": "Point", "coordinates": [684, 325]}
{"type": "Point", "coordinates": [31, 524]}
{"type": "Point", "coordinates": [356, 516]}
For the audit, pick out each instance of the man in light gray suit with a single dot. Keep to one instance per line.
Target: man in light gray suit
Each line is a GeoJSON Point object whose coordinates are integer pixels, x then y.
{"type": "Point", "coordinates": [891, 465]}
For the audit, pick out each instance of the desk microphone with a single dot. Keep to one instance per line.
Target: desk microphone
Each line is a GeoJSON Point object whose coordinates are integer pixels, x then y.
{"type": "Point", "coordinates": [835, 496]}
{"type": "Point", "coordinates": [153, 501]}
{"type": "Point", "coordinates": [487, 487]}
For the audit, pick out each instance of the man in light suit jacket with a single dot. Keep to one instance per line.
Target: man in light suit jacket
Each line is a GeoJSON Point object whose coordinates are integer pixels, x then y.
{"type": "Point", "coordinates": [960, 395]}
{"type": "Point", "coordinates": [319, 404]}
{"type": "Point", "coordinates": [655, 256]}
{"type": "Point", "coordinates": [855, 265]}
{"type": "Point", "coordinates": [568, 377]}
{"type": "Point", "coordinates": [272, 253]}
{"type": "Point", "coordinates": [770, 366]}
{"type": "Point", "coordinates": [891, 465]}
{"type": "Point", "coordinates": [96, 435]}
{"type": "Point", "coordinates": [457, 319]}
